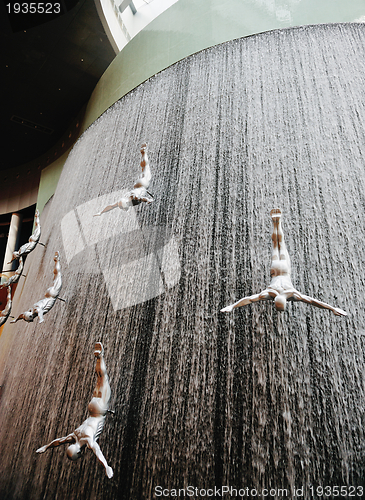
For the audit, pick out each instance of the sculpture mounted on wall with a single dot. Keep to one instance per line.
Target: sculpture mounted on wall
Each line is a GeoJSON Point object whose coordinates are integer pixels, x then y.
{"type": "Point", "coordinates": [32, 242]}
{"type": "Point", "coordinates": [16, 276]}
{"type": "Point", "coordinates": [281, 289]}
{"type": "Point", "coordinates": [5, 313]}
{"type": "Point", "coordinates": [44, 305]}
{"type": "Point", "coordinates": [89, 431]}
{"type": "Point", "coordinates": [139, 192]}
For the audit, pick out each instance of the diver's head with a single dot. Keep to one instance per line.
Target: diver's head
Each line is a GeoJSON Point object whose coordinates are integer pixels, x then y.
{"type": "Point", "coordinates": [280, 302]}
{"type": "Point", "coordinates": [15, 255]}
{"type": "Point", "coordinates": [28, 315]}
{"type": "Point", "coordinates": [124, 203]}
{"type": "Point", "coordinates": [74, 451]}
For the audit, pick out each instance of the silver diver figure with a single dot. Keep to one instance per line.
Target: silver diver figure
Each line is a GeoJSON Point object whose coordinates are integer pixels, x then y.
{"type": "Point", "coordinates": [87, 434]}
{"type": "Point", "coordinates": [44, 305]}
{"type": "Point", "coordinates": [5, 313]}
{"type": "Point", "coordinates": [281, 289]}
{"type": "Point", "coordinates": [32, 242]}
{"type": "Point", "coordinates": [139, 192]}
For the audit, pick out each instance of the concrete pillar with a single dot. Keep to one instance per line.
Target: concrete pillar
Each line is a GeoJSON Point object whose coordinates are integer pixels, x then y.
{"type": "Point", "coordinates": [12, 244]}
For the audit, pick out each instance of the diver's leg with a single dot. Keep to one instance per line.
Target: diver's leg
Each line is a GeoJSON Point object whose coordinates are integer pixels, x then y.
{"type": "Point", "coordinates": [145, 179]}
{"type": "Point", "coordinates": [55, 289]}
{"type": "Point", "coordinates": [283, 251]}
{"type": "Point", "coordinates": [57, 277]}
{"type": "Point", "coordinates": [102, 388]}
{"type": "Point", "coordinates": [279, 248]}
{"type": "Point", "coordinates": [275, 214]}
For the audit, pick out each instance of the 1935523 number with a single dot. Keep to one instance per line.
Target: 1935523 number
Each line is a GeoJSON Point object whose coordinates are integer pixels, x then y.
{"type": "Point", "coordinates": [337, 491]}
{"type": "Point", "coordinates": [34, 8]}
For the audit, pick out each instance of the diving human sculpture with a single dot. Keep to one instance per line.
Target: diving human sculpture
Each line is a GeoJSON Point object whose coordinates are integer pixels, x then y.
{"type": "Point", "coordinates": [139, 192]}
{"type": "Point", "coordinates": [5, 313]}
{"type": "Point", "coordinates": [32, 242]}
{"type": "Point", "coordinates": [89, 431]}
{"type": "Point", "coordinates": [16, 276]}
{"type": "Point", "coordinates": [281, 289]}
{"type": "Point", "coordinates": [44, 305]}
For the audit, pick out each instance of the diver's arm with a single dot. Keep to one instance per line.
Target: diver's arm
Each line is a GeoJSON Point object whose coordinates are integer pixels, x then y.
{"type": "Point", "coordinates": [93, 445]}
{"type": "Point", "coordinates": [107, 209]}
{"type": "Point", "coordinates": [145, 199]}
{"type": "Point", "coordinates": [57, 442]}
{"type": "Point", "coordinates": [317, 303]}
{"type": "Point", "coordinates": [21, 316]}
{"type": "Point", "coordinates": [39, 311]}
{"type": "Point", "coordinates": [247, 300]}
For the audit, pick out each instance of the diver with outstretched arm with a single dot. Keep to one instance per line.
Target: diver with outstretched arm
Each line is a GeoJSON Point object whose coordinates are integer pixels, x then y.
{"type": "Point", "coordinates": [44, 305]}
{"type": "Point", "coordinates": [139, 192]}
{"type": "Point", "coordinates": [86, 435]}
{"type": "Point", "coordinates": [281, 289]}
{"type": "Point", "coordinates": [32, 242]}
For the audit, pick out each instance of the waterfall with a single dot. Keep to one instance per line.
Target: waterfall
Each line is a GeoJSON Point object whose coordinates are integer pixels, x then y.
{"type": "Point", "coordinates": [253, 398]}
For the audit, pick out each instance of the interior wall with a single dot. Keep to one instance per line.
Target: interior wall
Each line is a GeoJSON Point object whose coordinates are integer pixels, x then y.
{"type": "Point", "coordinates": [254, 398]}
